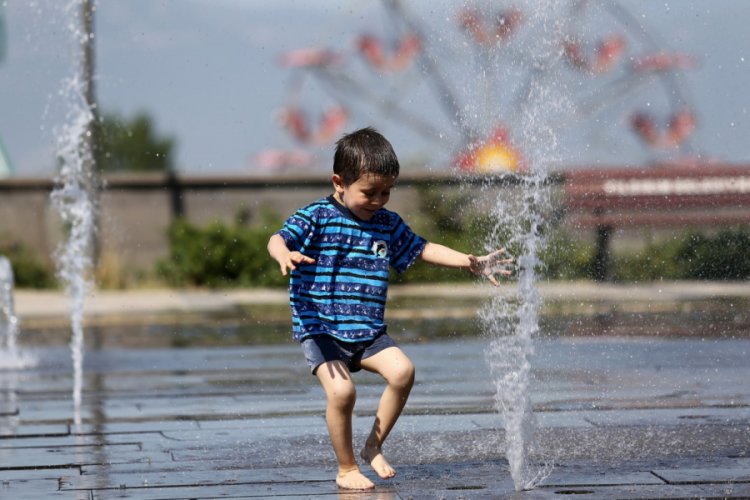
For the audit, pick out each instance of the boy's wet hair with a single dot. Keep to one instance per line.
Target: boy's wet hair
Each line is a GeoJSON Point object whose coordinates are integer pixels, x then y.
{"type": "Point", "coordinates": [364, 151]}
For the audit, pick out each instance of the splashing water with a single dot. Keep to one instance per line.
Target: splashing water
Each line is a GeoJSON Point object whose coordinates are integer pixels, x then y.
{"type": "Point", "coordinates": [9, 321]}
{"type": "Point", "coordinates": [10, 357]}
{"type": "Point", "coordinates": [72, 198]}
{"type": "Point", "coordinates": [521, 214]}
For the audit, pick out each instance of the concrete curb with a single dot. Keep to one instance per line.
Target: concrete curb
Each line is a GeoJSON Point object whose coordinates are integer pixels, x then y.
{"type": "Point", "coordinates": [39, 304]}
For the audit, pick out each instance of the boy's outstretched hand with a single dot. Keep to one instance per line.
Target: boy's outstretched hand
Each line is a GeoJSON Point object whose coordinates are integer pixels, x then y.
{"type": "Point", "coordinates": [491, 264]}
{"type": "Point", "coordinates": [291, 259]}
{"type": "Point", "coordinates": [288, 260]}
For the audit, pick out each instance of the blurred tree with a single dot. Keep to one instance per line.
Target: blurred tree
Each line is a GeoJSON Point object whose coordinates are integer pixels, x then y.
{"type": "Point", "coordinates": [131, 145]}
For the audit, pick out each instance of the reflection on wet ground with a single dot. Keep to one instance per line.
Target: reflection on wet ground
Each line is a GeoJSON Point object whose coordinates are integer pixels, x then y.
{"type": "Point", "coordinates": [415, 320]}
{"type": "Point", "coordinates": [652, 402]}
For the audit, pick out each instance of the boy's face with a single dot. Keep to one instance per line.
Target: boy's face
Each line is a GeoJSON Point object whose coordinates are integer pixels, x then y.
{"type": "Point", "coordinates": [366, 195]}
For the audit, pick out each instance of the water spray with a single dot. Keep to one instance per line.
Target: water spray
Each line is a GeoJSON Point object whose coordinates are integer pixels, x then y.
{"type": "Point", "coordinates": [74, 197]}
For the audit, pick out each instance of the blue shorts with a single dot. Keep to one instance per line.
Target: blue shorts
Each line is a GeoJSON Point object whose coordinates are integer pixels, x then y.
{"type": "Point", "coordinates": [321, 348]}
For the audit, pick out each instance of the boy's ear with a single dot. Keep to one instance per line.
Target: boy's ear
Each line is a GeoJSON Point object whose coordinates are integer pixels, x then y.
{"type": "Point", "coordinates": [338, 183]}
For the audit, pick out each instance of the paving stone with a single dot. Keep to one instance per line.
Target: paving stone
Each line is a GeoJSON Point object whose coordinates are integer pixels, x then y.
{"type": "Point", "coordinates": [37, 489]}
{"type": "Point", "coordinates": [235, 437]}
{"type": "Point", "coordinates": [32, 430]}
{"type": "Point", "coordinates": [50, 411]}
{"type": "Point", "coordinates": [634, 491]}
{"type": "Point", "coordinates": [733, 490]}
{"type": "Point", "coordinates": [705, 475]}
{"type": "Point", "coordinates": [561, 419]}
{"type": "Point", "coordinates": [241, 423]}
{"type": "Point", "coordinates": [264, 423]}
{"type": "Point", "coordinates": [66, 441]}
{"type": "Point", "coordinates": [8, 409]}
{"type": "Point", "coordinates": [604, 478]}
{"type": "Point", "coordinates": [138, 427]}
{"type": "Point", "coordinates": [94, 478]}
{"type": "Point", "coordinates": [68, 456]}
{"type": "Point", "coordinates": [296, 490]}
{"type": "Point", "coordinates": [37, 473]}
{"type": "Point", "coordinates": [670, 416]}
{"type": "Point", "coordinates": [206, 407]}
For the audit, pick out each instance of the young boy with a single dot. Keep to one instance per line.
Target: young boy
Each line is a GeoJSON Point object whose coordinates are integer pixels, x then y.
{"type": "Point", "coordinates": [339, 250]}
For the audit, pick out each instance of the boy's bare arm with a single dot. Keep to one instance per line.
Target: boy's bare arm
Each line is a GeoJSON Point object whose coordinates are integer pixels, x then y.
{"type": "Point", "coordinates": [287, 259]}
{"type": "Point", "coordinates": [441, 255]}
{"type": "Point", "coordinates": [486, 265]}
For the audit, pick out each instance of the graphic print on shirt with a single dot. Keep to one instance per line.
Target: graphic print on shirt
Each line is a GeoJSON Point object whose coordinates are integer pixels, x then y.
{"type": "Point", "coordinates": [380, 249]}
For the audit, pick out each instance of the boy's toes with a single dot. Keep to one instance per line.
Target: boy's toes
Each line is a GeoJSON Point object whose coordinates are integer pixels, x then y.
{"type": "Point", "coordinates": [354, 480]}
{"type": "Point", "coordinates": [378, 463]}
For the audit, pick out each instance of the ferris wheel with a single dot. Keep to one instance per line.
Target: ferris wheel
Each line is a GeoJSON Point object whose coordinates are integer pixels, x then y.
{"type": "Point", "coordinates": [456, 81]}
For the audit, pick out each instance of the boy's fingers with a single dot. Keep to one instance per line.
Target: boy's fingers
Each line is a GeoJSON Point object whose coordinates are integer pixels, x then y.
{"type": "Point", "coordinates": [494, 254]}
{"type": "Point", "coordinates": [295, 259]}
{"type": "Point", "coordinates": [298, 257]}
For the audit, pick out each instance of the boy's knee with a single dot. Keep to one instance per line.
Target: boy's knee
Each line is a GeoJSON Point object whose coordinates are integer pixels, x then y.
{"type": "Point", "coordinates": [403, 375]}
{"type": "Point", "coordinates": [343, 395]}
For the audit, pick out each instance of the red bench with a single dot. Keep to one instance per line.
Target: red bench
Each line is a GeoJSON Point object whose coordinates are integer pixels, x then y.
{"type": "Point", "coordinates": [658, 196]}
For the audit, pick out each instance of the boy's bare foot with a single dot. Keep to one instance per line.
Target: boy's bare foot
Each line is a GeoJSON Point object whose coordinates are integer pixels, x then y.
{"type": "Point", "coordinates": [377, 461]}
{"type": "Point", "coordinates": [353, 480]}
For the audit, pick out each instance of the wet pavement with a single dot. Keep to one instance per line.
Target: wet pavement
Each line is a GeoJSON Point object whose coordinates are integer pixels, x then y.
{"type": "Point", "coordinates": [617, 417]}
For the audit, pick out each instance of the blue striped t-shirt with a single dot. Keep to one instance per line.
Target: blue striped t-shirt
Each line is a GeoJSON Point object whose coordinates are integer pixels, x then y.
{"type": "Point", "coordinates": [343, 294]}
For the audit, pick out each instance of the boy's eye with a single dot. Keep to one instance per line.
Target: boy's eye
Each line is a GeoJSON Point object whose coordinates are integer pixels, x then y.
{"type": "Point", "coordinates": [370, 194]}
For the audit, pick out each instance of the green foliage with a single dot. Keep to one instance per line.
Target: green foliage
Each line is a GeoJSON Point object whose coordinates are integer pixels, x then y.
{"type": "Point", "coordinates": [448, 218]}
{"type": "Point", "coordinates": [722, 257]}
{"type": "Point", "coordinates": [131, 145]}
{"type": "Point", "coordinates": [566, 258]}
{"type": "Point", "coordinates": [220, 255]}
{"type": "Point", "coordinates": [655, 261]}
{"type": "Point", "coordinates": [226, 255]}
{"type": "Point", "coordinates": [29, 271]}
{"type": "Point", "coordinates": [690, 255]}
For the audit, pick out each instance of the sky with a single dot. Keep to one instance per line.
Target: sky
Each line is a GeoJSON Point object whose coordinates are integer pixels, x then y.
{"type": "Point", "coordinates": [209, 73]}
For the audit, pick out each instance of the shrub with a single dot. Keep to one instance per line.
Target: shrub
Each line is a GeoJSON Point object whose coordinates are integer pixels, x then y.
{"type": "Point", "coordinates": [566, 258]}
{"type": "Point", "coordinates": [450, 219]}
{"type": "Point", "coordinates": [28, 270]}
{"type": "Point", "coordinates": [220, 255]}
{"type": "Point", "coordinates": [225, 255]}
{"type": "Point", "coordinates": [655, 261]}
{"type": "Point", "coordinates": [721, 257]}
{"type": "Point", "coordinates": [689, 255]}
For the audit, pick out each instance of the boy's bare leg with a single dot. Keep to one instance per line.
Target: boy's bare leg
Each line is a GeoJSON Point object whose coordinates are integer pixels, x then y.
{"type": "Point", "coordinates": [340, 395]}
{"type": "Point", "coordinates": [398, 371]}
